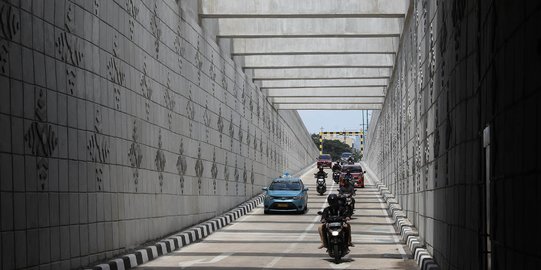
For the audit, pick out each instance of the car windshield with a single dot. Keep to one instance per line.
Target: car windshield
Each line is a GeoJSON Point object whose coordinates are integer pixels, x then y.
{"type": "Point", "coordinates": [346, 155]}
{"type": "Point", "coordinates": [285, 185]}
{"type": "Point", "coordinates": [324, 157]}
{"type": "Point", "coordinates": [353, 169]}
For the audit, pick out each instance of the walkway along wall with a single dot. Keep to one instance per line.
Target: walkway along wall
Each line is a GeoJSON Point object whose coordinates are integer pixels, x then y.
{"type": "Point", "coordinates": [463, 66]}
{"type": "Point", "coordinates": [123, 122]}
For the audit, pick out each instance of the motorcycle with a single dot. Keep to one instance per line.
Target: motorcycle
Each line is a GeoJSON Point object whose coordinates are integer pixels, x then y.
{"type": "Point", "coordinates": [321, 186]}
{"type": "Point", "coordinates": [337, 246]}
{"type": "Point", "coordinates": [348, 202]}
{"type": "Point", "coordinates": [351, 181]}
{"type": "Point", "coordinates": [336, 176]}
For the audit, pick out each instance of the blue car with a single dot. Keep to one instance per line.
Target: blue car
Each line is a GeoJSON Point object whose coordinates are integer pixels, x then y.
{"type": "Point", "coordinates": [286, 195]}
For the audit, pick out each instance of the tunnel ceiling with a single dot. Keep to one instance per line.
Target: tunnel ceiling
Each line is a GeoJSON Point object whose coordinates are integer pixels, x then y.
{"type": "Point", "coordinates": [313, 54]}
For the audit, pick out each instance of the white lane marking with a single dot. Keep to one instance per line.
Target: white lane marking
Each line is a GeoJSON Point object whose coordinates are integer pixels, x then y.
{"type": "Point", "coordinates": [339, 266]}
{"type": "Point", "coordinates": [201, 261]}
{"type": "Point", "coordinates": [303, 235]}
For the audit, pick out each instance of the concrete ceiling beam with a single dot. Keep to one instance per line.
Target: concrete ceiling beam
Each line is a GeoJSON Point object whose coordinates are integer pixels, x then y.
{"type": "Point", "coordinates": [326, 100]}
{"type": "Point", "coordinates": [326, 92]}
{"type": "Point", "coordinates": [309, 27]}
{"type": "Point", "coordinates": [347, 106]}
{"type": "Point", "coordinates": [321, 73]}
{"type": "Point", "coordinates": [318, 61]}
{"type": "Point", "coordinates": [272, 46]}
{"type": "Point", "coordinates": [322, 83]}
{"type": "Point", "coordinates": [302, 8]}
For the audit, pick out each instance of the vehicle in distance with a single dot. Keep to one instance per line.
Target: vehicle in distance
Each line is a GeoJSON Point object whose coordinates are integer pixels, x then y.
{"type": "Point", "coordinates": [345, 157]}
{"type": "Point", "coordinates": [286, 195]}
{"type": "Point", "coordinates": [357, 172]}
{"type": "Point", "coordinates": [324, 160]}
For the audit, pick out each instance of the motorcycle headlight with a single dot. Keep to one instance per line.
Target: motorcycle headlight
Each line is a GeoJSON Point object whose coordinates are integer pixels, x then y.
{"type": "Point", "coordinates": [335, 233]}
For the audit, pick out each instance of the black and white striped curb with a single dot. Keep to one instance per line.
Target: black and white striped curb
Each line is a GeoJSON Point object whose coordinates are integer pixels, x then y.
{"type": "Point", "coordinates": [179, 239]}
{"type": "Point", "coordinates": [408, 232]}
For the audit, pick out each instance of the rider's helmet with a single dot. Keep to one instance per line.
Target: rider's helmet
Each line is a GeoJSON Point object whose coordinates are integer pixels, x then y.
{"type": "Point", "coordinates": [332, 199]}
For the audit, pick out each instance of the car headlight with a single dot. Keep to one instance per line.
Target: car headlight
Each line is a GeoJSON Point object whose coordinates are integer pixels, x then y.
{"type": "Point", "coordinates": [298, 197]}
{"type": "Point", "coordinates": [268, 197]}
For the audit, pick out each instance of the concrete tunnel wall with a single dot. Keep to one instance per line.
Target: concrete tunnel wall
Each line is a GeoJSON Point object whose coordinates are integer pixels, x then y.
{"type": "Point", "coordinates": [122, 122]}
{"type": "Point", "coordinates": [462, 66]}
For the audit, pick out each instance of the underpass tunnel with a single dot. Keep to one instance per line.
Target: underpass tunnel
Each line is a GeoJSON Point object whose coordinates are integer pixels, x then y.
{"type": "Point", "coordinates": [125, 121]}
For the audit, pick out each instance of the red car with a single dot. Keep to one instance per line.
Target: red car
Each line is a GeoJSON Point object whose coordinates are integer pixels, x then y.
{"type": "Point", "coordinates": [324, 160]}
{"type": "Point", "coordinates": [357, 173]}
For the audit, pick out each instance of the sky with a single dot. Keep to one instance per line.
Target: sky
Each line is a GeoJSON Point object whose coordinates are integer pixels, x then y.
{"type": "Point", "coordinates": [331, 120]}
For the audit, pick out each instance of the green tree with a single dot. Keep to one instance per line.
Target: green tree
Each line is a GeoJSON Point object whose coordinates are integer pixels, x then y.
{"type": "Point", "coordinates": [333, 147]}
{"type": "Point", "coordinates": [357, 155]}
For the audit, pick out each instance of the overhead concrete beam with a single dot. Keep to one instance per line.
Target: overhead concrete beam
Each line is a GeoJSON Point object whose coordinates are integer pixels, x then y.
{"type": "Point", "coordinates": [318, 61]}
{"type": "Point", "coordinates": [321, 73]}
{"type": "Point", "coordinates": [328, 106]}
{"type": "Point", "coordinates": [326, 100]}
{"type": "Point", "coordinates": [271, 46]}
{"type": "Point", "coordinates": [302, 8]}
{"type": "Point", "coordinates": [309, 27]}
{"type": "Point", "coordinates": [326, 92]}
{"type": "Point", "coordinates": [323, 83]}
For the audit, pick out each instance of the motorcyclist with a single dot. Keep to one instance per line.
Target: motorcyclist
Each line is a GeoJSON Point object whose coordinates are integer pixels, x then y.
{"type": "Point", "coordinates": [350, 160]}
{"type": "Point", "coordinates": [334, 208]}
{"type": "Point", "coordinates": [347, 187]}
{"type": "Point", "coordinates": [336, 167]}
{"type": "Point", "coordinates": [348, 177]}
{"type": "Point", "coordinates": [321, 173]}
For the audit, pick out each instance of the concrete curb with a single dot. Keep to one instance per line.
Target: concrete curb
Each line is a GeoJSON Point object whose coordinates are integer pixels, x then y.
{"type": "Point", "coordinates": [180, 239]}
{"type": "Point", "coordinates": [408, 233]}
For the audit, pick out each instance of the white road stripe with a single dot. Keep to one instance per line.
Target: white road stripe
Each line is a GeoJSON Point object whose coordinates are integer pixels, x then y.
{"type": "Point", "coordinates": [201, 261]}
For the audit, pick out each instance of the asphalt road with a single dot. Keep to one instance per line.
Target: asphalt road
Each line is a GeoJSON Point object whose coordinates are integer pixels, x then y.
{"type": "Point", "coordinates": [291, 241]}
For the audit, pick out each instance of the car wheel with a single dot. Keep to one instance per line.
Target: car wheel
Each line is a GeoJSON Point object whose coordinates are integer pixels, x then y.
{"type": "Point", "coordinates": [266, 212]}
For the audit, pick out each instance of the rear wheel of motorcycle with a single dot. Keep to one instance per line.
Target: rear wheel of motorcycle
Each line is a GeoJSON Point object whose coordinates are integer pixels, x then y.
{"type": "Point", "coordinates": [336, 254]}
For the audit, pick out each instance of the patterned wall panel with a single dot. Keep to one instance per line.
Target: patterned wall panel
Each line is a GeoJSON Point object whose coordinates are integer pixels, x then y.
{"type": "Point", "coordinates": [123, 123]}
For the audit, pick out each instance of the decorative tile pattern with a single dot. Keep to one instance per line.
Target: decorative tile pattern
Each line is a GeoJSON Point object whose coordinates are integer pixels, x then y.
{"type": "Point", "coordinates": [98, 148]}
{"type": "Point", "coordinates": [146, 89]}
{"type": "Point", "coordinates": [159, 160]}
{"type": "Point", "coordinates": [199, 168]}
{"type": "Point", "coordinates": [135, 155]}
{"type": "Point", "coordinates": [181, 166]}
{"type": "Point", "coordinates": [41, 139]}
{"type": "Point", "coordinates": [214, 170]}
{"type": "Point", "coordinates": [109, 100]}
